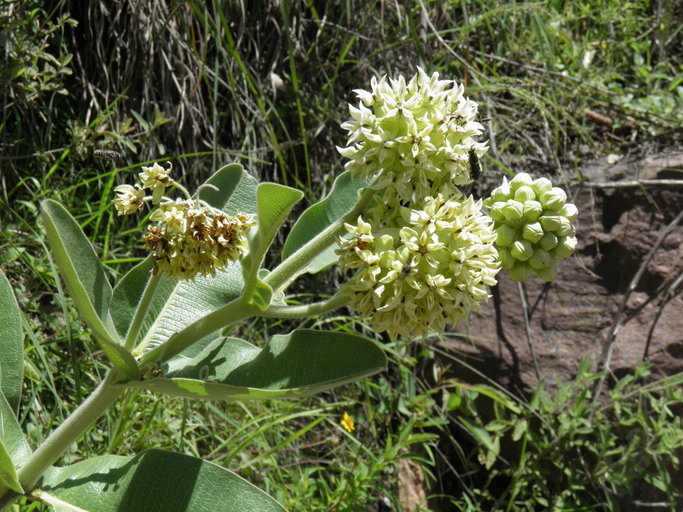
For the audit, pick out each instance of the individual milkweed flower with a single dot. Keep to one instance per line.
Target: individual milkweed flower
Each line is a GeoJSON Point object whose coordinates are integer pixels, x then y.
{"type": "Point", "coordinates": [347, 422]}
{"type": "Point", "coordinates": [129, 199]}
{"type": "Point", "coordinates": [426, 268]}
{"type": "Point", "coordinates": [173, 215]}
{"type": "Point", "coordinates": [157, 179]}
{"type": "Point", "coordinates": [190, 238]}
{"type": "Point", "coordinates": [534, 226]}
{"type": "Point", "coordinates": [417, 136]}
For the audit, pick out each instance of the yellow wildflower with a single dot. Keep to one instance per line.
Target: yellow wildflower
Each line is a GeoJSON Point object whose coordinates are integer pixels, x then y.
{"type": "Point", "coordinates": [347, 422]}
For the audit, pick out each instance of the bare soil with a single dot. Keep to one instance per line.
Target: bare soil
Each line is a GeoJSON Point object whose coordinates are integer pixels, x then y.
{"type": "Point", "coordinates": [615, 299]}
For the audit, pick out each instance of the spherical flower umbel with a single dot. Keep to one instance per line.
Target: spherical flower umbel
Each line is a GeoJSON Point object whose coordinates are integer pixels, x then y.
{"type": "Point", "coordinates": [415, 136]}
{"type": "Point", "coordinates": [431, 272]}
{"type": "Point", "coordinates": [534, 226]}
{"type": "Point", "coordinates": [190, 238]}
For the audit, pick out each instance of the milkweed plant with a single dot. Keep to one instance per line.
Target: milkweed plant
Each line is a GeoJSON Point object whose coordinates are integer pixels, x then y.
{"type": "Point", "coordinates": [419, 252]}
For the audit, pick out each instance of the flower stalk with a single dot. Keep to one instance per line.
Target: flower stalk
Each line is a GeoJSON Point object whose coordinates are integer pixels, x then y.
{"type": "Point", "coordinates": [306, 310]}
{"type": "Point", "coordinates": [288, 270]}
{"type": "Point", "coordinates": [141, 311]}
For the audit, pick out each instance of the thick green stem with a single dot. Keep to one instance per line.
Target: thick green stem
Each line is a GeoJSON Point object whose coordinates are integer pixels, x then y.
{"type": "Point", "coordinates": [306, 310]}
{"type": "Point", "coordinates": [68, 432]}
{"type": "Point", "coordinates": [141, 311]}
{"type": "Point", "coordinates": [287, 271]}
{"type": "Point", "coordinates": [228, 314]}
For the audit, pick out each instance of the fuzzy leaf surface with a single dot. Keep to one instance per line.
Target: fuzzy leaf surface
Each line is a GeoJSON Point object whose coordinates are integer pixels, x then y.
{"type": "Point", "coordinates": [11, 345]}
{"type": "Point", "coordinates": [235, 190]}
{"type": "Point", "coordinates": [86, 281]}
{"type": "Point", "coordinates": [128, 293]}
{"type": "Point", "coordinates": [11, 435]}
{"type": "Point", "coordinates": [299, 363]}
{"type": "Point", "coordinates": [341, 200]}
{"type": "Point", "coordinates": [8, 475]}
{"type": "Point", "coordinates": [274, 203]}
{"type": "Point", "coordinates": [153, 481]}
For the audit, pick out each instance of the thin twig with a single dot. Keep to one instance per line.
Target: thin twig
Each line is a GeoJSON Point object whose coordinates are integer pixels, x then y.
{"type": "Point", "coordinates": [450, 50]}
{"type": "Point", "coordinates": [670, 294]}
{"type": "Point", "coordinates": [637, 309]}
{"type": "Point", "coordinates": [608, 344]}
{"type": "Point", "coordinates": [527, 328]}
{"type": "Point", "coordinates": [634, 184]}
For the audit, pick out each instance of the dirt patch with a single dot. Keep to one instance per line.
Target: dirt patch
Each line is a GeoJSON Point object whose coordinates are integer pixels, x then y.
{"type": "Point", "coordinates": [411, 491]}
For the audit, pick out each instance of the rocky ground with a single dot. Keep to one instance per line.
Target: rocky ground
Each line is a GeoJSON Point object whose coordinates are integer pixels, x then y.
{"type": "Point", "coordinates": [619, 295]}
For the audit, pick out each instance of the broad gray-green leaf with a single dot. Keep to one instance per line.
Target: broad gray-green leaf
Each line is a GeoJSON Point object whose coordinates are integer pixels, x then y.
{"type": "Point", "coordinates": [86, 281]}
{"type": "Point", "coordinates": [188, 302]}
{"type": "Point", "coordinates": [299, 363]}
{"type": "Point", "coordinates": [341, 200]}
{"type": "Point", "coordinates": [153, 481]}
{"type": "Point", "coordinates": [274, 204]}
{"type": "Point", "coordinates": [11, 435]}
{"type": "Point", "coordinates": [11, 345]}
{"type": "Point", "coordinates": [179, 304]}
{"type": "Point", "coordinates": [8, 475]}
{"type": "Point", "coordinates": [235, 190]}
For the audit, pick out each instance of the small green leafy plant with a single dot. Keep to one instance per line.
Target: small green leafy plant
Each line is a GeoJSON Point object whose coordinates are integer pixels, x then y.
{"type": "Point", "coordinates": [419, 254]}
{"type": "Point", "coordinates": [567, 450]}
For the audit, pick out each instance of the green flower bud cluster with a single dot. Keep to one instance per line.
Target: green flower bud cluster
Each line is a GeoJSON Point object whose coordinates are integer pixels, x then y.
{"type": "Point", "coordinates": [534, 226]}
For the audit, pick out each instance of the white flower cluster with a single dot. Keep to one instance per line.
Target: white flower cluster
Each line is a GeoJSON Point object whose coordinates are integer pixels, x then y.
{"type": "Point", "coordinates": [424, 255]}
{"type": "Point", "coordinates": [432, 271]}
{"type": "Point", "coordinates": [192, 239]}
{"type": "Point", "coordinates": [415, 136]}
{"type": "Point", "coordinates": [130, 198]}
